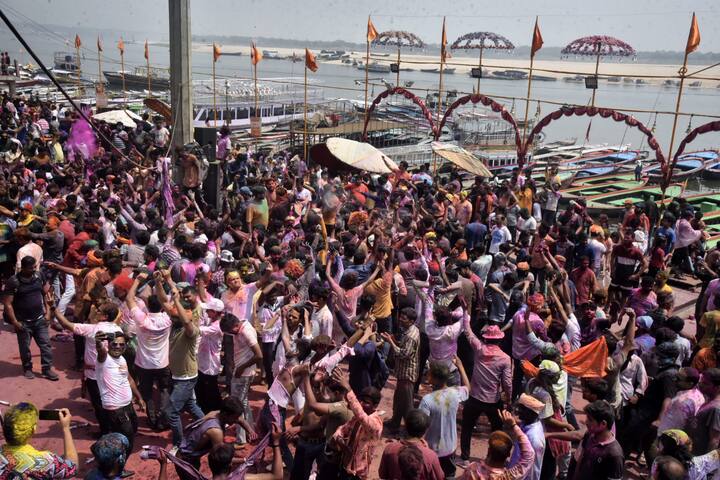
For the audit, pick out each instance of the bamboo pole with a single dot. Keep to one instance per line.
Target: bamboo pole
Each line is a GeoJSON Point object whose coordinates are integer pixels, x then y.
{"type": "Point", "coordinates": [397, 77]}
{"type": "Point", "coordinates": [597, 67]}
{"type": "Point", "coordinates": [367, 61]}
{"type": "Point", "coordinates": [527, 99]}
{"type": "Point", "coordinates": [99, 63]}
{"type": "Point", "coordinates": [439, 101]}
{"type": "Point", "coordinates": [683, 73]}
{"type": "Point", "coordinates": [147, 61]}
{"type": "Point", "coordinates": [214, 90]}
{"type": "Point", "coordinates": [480, 68]}
{"type": "Point", "coordinates": [122, 74]}
{"type": "Point", "coordinates": [305, 131]}
{"type": "Point", "coordinates": [79, 69]}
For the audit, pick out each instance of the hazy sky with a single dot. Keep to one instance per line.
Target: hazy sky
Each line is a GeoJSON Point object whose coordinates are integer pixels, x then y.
{"type": "Point", "coordinates": [645, 24]}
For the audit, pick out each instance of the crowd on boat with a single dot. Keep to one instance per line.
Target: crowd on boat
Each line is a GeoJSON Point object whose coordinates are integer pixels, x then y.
{"type": "Point", "coordinates": [263, 336]}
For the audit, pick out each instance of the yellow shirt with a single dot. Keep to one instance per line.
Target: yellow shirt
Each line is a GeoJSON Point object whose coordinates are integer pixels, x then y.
{"type": "Point", "coordinates": [381, 288]}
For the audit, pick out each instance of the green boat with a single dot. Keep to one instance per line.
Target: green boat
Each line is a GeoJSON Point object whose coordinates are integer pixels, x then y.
{"type": "Point", "coordinates": [705, 202]}
{"type": "Point", "coordinates": [613, 203]}
{"type": "Point", "coordinates": [618, 177]}
{"type": "Point", "coordinates": [584, 191]}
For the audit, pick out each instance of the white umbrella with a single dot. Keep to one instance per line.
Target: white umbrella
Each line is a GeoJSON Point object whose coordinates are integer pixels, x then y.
{"type": "Point", "coordinates": [126, 117]}
{"type": "Point", "coordinates": [462, 158]}
{"type": "Point", "coordinates": [349, 153]}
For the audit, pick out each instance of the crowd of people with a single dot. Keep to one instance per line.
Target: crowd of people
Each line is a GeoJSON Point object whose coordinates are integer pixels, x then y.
{"type": "Point", "coordinates": [329, 293]}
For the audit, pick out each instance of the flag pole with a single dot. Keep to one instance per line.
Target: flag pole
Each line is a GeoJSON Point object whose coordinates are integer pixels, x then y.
{"type": "Point", "coordinates": [147, 61]}
{"type": "Point", "coordinates": [692, 44]}
{"type": "Point", "coordinates": [537, 43]}
{"type": "Point", "coordinates": [79, 67]}
{"type": "Point", "coordinates": [440, 90]}
{"type": "Point", "coordinates": [367, 61]}
{"type": "Point", "coordinates": [99, 62]}
{"type": "Point", "coordinates": [682, 72]}
{"type": "Point", "coordinates": [214, 90]}
{"type": "Point", "coordinates": [122, 70]}
{"type": "Point", "coordinates": [597, 67]}
{"type": "Point", "coordinates": [480, 67]}
{"type": "Point", "coordinates": [305, 132]}
{"type": "Point", "coordinates": [397, 77]}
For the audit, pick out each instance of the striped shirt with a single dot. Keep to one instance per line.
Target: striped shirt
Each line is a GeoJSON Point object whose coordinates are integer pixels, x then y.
{"type": "Point", "coordinates": [406, 355]}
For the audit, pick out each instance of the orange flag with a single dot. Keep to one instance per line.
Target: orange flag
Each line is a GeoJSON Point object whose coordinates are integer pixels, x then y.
{"type": "Point", "coordinates": [537, 41]}
{"type": "Point", "coordinates": [121, 46]}
{"type": "Point", "coordinates": [444, 54]}
{"type": "Point", "coordinates": [99, 44]}
{"type": "Point", "coordinates": [587, 361]}
{"type": "Point", "coordinates": [216, 52]}
{"type": "Point", "coordinates": [310, 61]}
{"type": "Point", "coordinates": [255, 55]}
{"type": "Point", "coordinates": [78, 43]}
{"type": "Point", "coordinates": [147, 51]}
{"type": "Point", "coordinates": [693, 37]}
{"type": "Point", "coordinates": [372, 33]}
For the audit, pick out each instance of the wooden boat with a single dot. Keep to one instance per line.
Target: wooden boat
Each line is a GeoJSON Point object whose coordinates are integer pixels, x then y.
{"type": "Point", "coordinates": [601, 179]}
{"type": "Point", "coordinates": [613, 203]}
{"type": "Point", "coordinates": [686, 167]}
{"type": "Point", "coordinates": [712, 171]}
{"type": "Point", "coordinates": [584, 191]}
{"type": "Point", "coordinates": [708, 203]}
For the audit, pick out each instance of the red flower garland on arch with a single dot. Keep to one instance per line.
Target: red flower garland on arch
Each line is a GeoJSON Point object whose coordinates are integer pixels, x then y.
{"type": "Point", "coordinates": [568, 111]}
{"type": "Point", "coordinates": [405, 93]}
{"type": "Point", "coordinates": [702, 129]}
{"type": "Point", "coordinates": [488, 102]}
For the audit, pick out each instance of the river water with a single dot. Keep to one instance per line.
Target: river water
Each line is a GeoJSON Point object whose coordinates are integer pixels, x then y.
{"type": "Point", "coordinates": [339, 81]}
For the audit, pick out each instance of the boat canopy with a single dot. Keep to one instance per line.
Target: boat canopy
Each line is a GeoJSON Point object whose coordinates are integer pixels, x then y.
{"type": "Point", "coordinates": [462, 158]}
{"type": "Point", "coordinates": [338, 154]}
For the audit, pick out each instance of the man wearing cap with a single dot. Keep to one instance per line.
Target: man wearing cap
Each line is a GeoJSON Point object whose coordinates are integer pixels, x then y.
{"type": "Point", "coordinates": [491, 382]}
{"type": "Point", "coordinates": [527, 410]}
{"type": "Point", "coordinates": [209, 362]}
{"type": "Point", "coordinates": [24, 299]}
{"type": "Point", "coordinates": [522, 348]}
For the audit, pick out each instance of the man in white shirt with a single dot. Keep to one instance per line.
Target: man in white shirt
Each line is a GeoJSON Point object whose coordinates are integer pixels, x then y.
{"type": "Point", "coordinates": [102, 320]}
{"type": "Point", "coordinates": [598, 248]}
{"type": "Point", "coordinates": [321, 319]}
{"type": "Point", "coordinates": [116, 386]}
{"type": "Point", "coordinates": [152, 327]}
{"type": "Point", "coordinates": [246, 356]}
{"type": "Point", "coordinates": [209, 364]}
{"type": "Point", "coordinates": [27, 248]}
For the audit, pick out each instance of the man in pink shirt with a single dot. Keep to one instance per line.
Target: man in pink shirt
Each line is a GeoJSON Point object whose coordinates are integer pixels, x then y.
{"type": "Point", "coordinates": [500, 446]}
{"type": "Point", "coordinates": [356, 439]}
{"type": "Point", "coordinates": [522, 349]}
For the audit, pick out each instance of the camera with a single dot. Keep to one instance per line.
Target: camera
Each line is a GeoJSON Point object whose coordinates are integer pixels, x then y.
{"type": "Point", "coordinates": [109, 336]}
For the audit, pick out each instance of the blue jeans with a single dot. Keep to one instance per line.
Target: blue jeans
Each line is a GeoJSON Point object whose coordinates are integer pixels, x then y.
{"type": "Point", "coordinates": [239, 388]}
{"type": "Point", "coordinates": [181, 398]}
{"type": "Point", "coordinates": [37, 329]}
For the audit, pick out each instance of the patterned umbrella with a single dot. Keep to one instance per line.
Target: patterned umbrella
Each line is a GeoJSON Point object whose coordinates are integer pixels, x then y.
{"type": "Point", "coordinates": [399, 39]}
{"type": "Point", "coordinates": [482, 41]}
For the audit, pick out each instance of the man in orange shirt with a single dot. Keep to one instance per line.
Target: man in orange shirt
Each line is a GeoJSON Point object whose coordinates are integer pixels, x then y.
{"type": "Point", "coordinates": [357, 188]}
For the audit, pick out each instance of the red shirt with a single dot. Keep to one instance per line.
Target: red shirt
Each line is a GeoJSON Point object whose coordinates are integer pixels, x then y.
{"type": "Point", "coordinates": [357, 192]}
{"type": "Point", "coordinates": [584, 280]}
{"type": "Point", "coordinates": [390, 466]}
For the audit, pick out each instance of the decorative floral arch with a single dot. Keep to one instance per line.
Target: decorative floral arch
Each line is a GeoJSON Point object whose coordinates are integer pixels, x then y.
{"type": "Point", "coordinates": [568, 111]}
{"type": "Point", "coordinates": [405, 93]}
{"type": "Point", "coordinates": [488, 102]}
{"type": "Point", "coordinates": [702, 129]}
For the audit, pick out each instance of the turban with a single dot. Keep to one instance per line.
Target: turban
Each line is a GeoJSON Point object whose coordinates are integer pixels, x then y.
{"type": "Point", "coordinates": [536, 300]}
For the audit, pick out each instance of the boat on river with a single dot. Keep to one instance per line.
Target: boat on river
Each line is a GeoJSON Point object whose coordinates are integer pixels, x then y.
{"type": "Point", "coordinates": [585, 191]}
{"type": "Point", "coordinates": [613, 203]}
{"type": "Point", "coordinates": [689, 164]}
{"type": "Point", "coordinates": [601, 179]}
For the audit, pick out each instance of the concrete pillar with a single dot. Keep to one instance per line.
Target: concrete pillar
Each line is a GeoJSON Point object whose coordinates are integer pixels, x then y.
{"type": "Point", "coordinates": [180, 76]}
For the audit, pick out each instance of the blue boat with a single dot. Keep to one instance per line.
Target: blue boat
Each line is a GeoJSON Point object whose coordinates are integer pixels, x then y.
{"type": "Point", "coordinates": [712, 171]}
{"type": "Point", "coordinates": [688, 165]}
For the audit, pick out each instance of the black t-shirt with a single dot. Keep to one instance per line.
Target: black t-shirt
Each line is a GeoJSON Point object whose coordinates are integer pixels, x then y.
{"type": "Point", "coordinates": [28, 300]}
{"type": "Point", "coordinates": [663, 386]}
{"type": "Point", "coordinates": [597, 461]}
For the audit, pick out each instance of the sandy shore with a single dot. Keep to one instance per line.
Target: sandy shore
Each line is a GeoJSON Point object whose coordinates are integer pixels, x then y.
{"type": "Point", "coordinates": [552, 68]}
